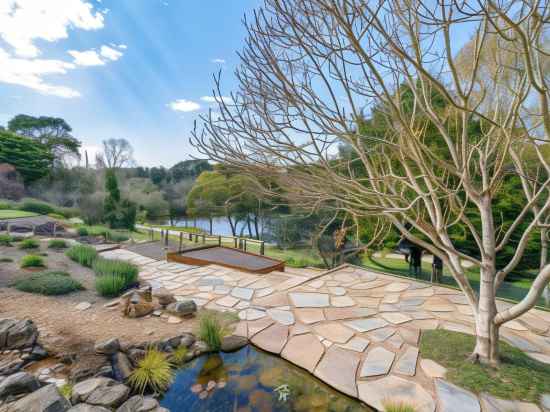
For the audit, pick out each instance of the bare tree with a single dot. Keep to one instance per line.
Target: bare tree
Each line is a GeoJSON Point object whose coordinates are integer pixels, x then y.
{"type": "Point", "coordinates": [311, 67]}
{"type": "Point", "coordinates": [117, 153]}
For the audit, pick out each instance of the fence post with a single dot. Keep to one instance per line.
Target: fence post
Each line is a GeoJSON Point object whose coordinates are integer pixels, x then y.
{"type": "Point", "coordinates": [262, 248]}
{"type": "Point", "coordinates": [8, 227]}
{"type": "Point", "coordinates": [235, 240]}
{"type": "Point", "coordinates": [245, 244]}
{"type": "Point", "coordinates": [203, 239]}
{"type": "Point", "coordinates": [181, 242]}
{"type": "Point", "coordinates": [166, 237]}
{"type": "Point", "coordinates": [219, 240]}
{"type": "Point", "coordinates": [54, 229]}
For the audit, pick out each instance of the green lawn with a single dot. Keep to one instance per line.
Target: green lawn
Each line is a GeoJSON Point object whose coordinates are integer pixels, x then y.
{"type": "Point", "coordinates": [13, 214]}
{"type": "Point", "coordinates": [518, 377]}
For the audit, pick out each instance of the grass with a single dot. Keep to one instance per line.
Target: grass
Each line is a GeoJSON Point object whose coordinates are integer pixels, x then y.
{"type": "Point", "coordinates": [57, 244]}
{"type": "Point", "coordinates": [104, 231]}
{"type": "Point", "coordinates": [518, 377]}
{"type": "Point", "coordinates": [82, 254]}
{"type": "Point", "coordinates": [114, 267]}
{"type": "Point", "coordinates": [66, 390]}
{"type": "Point", "coordinates": [6, 240]}
{"type": "Point", "coordinates": [110, 286]}
{"type": "Point", "coordinates": [15, 214]}
{"type": "Point", "coordinates": [211, 330]}
{"type": "Point", "coordinates": [153, 372]}
{"type": "Point", "coordinates": [29, 244]}
{"type": "Point", "coordinates": [48, 283]}
{"type": "Point", "coordinates": [392, 406]}
{"type": "Point", "coordinates": [179, 356]}
{"type": "Point", "coordinates": [32, 261]}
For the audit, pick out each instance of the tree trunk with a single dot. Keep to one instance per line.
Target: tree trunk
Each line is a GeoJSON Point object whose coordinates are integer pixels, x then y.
{"type": "Point", "coordinates": [543, 261]}
{"type": "Point", "coordinates": [249, 226]}
{"type": "Point", "coordinates": [232, 225]}
{"type": "Point", "coordinates": [210, 223]}
{"type": "Point", "coordinates": [487, 335]}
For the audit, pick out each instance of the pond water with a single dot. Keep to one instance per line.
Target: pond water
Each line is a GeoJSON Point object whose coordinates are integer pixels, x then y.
{"type": "Point", "coordinates": [250, 380]}
{"type": "Point", "coordinates": [220, 226]}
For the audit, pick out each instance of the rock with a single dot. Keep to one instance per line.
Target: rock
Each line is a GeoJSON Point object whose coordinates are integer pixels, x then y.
{"type": "Point", "coordinates": [433, 369]}
{"type": "Point", "coordinates": [233, 343]}
{"type": "Point", "coordinates": [164, 297]}
{"type": "Point", "coordinates": [455, 399]}
{"type": "Point", "coordinates": [112, 303]}
{"type": "Point", "coordinates": [172, 342]}
{"type": "Point", "coordinates": [140, 404]}
{"type": "Point", "coordinates": [122, 365]}
{"type": "Point", "coordinates": [173, 319]}
{"type": "Point", "coordinates": [17, 334]}
{"type": "Point", "coordinates": [84, 407]}
{"type": "Point", "coordinates": [107, 347]}
{"type": "Point", "coordinates": [199, 347]}
{"type": "Point", "coordinates": [135, 304]}
{"type": "Point", "coordinates": [545, 401]}
{"type": "Point", "coordinates": [38, 353]}
{"type": "Point", "coordinates": [101, 392]}
{"type": "Point", "coordinates": [18, 383]}
{"type": "Point", "coordinates": [183, 308]}
{"type": "Point", "coordinates": [82, 306]}
{"type": "Point", "coordinates": [187, 339]}
{"type": "Point", "coordinates": [83, 389]}
{"type": "Point", "coordinates": [135, 355]}
{"type": "Point", "coordinates": [46, 399]}
{"type": "Point", "coordinates": [88, 366]}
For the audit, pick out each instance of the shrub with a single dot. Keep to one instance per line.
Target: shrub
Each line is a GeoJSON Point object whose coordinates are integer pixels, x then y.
{"type": "Point", "coordinates": [48, 283]}
{"type": "Point", "coordinates": [37, 206]}
{"type": "Point", "coordinates": [29, 244]}
{"type": "Point", "coordinates": [153, 372]}
{"type": "Point", "coordinates": [5, 240]}
{"type": "Point", "coordinates": [32, 261]}
{"type": "Point", "coordinates": [56, 216]}
{"type": "Point", "coordinates": [66, 390]}
{"type": "Point", "coordinates": [85, 255]}
{"type": "Point", "coordinates": [211, 331]}
{"type": "Point", "coordinates": [179, 356]}
{"type": "Point", "coordinates": [110, 286]}
{"type": "Point", "coordinates": [5, 205]}
{"type": "Point", "coordinates": [117, 237]}
{"type": "Point", "coordinates": [57, 244]}
{"type": "Point", "coordinates": [114, 267]}
{"type": "Point", "coordinates": [392, 406]}
{"type": "Point", "coordinates": [82, 231]}
{"type": "Point", "coordinates": [68, 212]}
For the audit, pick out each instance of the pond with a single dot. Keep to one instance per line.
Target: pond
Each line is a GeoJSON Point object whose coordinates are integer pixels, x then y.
{"type": "Point", "coordinates": [250, 380]}
{"type": "Point", "coordinates": [220, 225]}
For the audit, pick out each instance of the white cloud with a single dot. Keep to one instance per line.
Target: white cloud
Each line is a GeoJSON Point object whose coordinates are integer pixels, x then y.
{"type": "Point", "coordinates": [86, 58]}
{"type": "Point", "coordinates": [215, 99]}
{"type": "Point", "coordinates": [218, 61]}
{"type": "Point", "coordinates": [29, 72]}
{"type": "Point", "coordinates": [110, 53]}
{"type": "Point", "coordinates": [122, 46]}
{"type": "Point", "coordinates": [24, 21]}
{"type": "Point", "coordinates": [182, 105]}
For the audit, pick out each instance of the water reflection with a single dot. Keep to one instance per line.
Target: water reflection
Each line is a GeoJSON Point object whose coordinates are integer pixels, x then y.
{"type": "Point", "coordinates": [251, 381]}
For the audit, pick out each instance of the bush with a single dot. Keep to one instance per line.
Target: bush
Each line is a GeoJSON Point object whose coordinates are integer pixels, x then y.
{"type": "Point", "coordinates": [153, 372]}
{"type": "Point", "coordinates": [110, 286]}
{"type": "Point", "coordinates": [29, 244]}
{"type": "Point", "coordinates": [57, 244]}
{"type": "Point", "coordinates": [113, 267]}
{"type": "Point", "coordinates": [117, 237]}
{"type": "Point", "coordinates": [37, 206]}
{"type": "Point", "coordinates": [211, 331]}
{"type": "Point", "coordinates": [5, 240]}
{"type": "Point", "coordinates": [48, 283]}
{"type": "Point", "coordinates": [32, 261]}
{"type": "Point", "coordinates": [82, 231]}
{"type": "Point", "coordinates": [5, 205]}
{"type": "Point", "coordinates": [85, 255]}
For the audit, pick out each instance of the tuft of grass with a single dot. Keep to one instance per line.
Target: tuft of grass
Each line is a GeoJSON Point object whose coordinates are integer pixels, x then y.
{"type": "Point", "coordinates": [179, 355]}
{"type": "Point", "coordinates": [85, 255]}
{"type": "Point", "coordinates": [394, 406]}
{"type": "Point", "coordinates": [48, 283]}
{"type": "Point", "coordinates": [153, 372]}
{"type": "Point", "coordinates": [6, 260]}
{"type": "Point", "coordinates": [518, 376]}
{"type": "Point", "coordinates": [211, 331]}
{"type": "Point", "coordinates": [57, 244]}
{"type": "Point", "coordinates": [110, 285]}
{"type": "Point", "coordinates": [32, 261]}
{"type": "Point", "coordinates": [66, 390]}
{"type": "Point", "coordinates": [115, 267]}
{"type": "Point", "coordinates": [5, 240]}
{"type": "Point", "coordinates": [29, 244]}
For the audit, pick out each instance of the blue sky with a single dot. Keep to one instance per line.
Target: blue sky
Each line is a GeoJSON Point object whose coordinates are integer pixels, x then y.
{"type": "Point", "coordinates": [135, 69]}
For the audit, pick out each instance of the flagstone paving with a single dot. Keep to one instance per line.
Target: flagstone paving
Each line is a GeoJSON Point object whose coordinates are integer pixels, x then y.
{"type": "Point", "coordinates": [355, 329]}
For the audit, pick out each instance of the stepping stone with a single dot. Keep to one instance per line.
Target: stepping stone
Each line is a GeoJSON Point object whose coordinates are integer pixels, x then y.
{"type": "Point", "coordinates": [515, 325]}
{"type": "Point", "coordinates": [432, 369]}
{"type": "Point", "coordinates": [241, 330]}
{"type": "Point", "coordinates": [284, 317]}
{"type": "Point", "coordinates": [264, 292]}
{"type": "Point", "coordinates": [520, 343]}
{"type": "Point", "coordinates": [491, 404]}
{"type": "Point", "coordinates": [395, 317]}
{"type": "Point", "coordinates": [396, 287]}
{"type": "Point", "coordinates": [242, 293]}
{"type": "Point", "coordinates": [273, 300]}
{"type": "Point", "coordinates": [458, 327]}
{"type": "Point", "coordinates": [227, 301]}
{"type": "Point", "coordinates": [438, 307]}
{"type": "Point", "coordinates": [455, 399]}
{"type": "Point", "coordinates": [242, 305]}
{"type": "Point", "coordinates": [366, 276]}
{"type": "Point", "coordinates": [309, 300]}
{"type": "Point", "coordinates": [391, 298]}
{"type": "Point", "coordinates": [410, 336]}
{"type": "Point", "coordinates": [380, 335]}
{"type": "Point", "coordinates": [335, 332]}
{"type": "Point", "coordinates": [418, 293]}
{"type": "Point", "coordinates": [396, 341]}
{"type": "Point", "coordinates": [365, 325]}
{"type": "Point", "coordinates": [406, 365]}
{"type": "Point", "coordinates": [376, 393]}
{"type": "Point", "coordinates": [299, 329]}
{"type": "Point", "coordinates": [357, 344]}
{"type": "Point", "coordinates": [271, 339]}
{"type": "Point", "coordinates": [412, 302]}
{"type": "Point", "coordinates": [348, 313]}
{"type": "Point", "coordinates": [251, 314]}
{"type": "Point", "coordinates": [309, 315]}
{"type": "Point", "coordinates": [304, 351]}
{"type": "Point", "coordinates": [338, 291]}
{"type": "Point", "coordinates": [342, 301]}
{"type": "Point", "coordinates": [259, 325]}
{"type": "Point", "coordinates": [316, 284]}
{"type": "Point", "coordinates": [539, 357]}
{"type": "Point", "coordinates": [377, 362]}
{"type": "Point", "coordinates": [338, 369]}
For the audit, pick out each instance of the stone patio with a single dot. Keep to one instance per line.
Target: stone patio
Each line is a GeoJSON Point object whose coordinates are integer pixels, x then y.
{"type": "Point", "coordinates": [355, 329]}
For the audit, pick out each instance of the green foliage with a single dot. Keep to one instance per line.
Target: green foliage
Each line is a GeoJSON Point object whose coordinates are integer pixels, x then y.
{"type": "Point", "coordinates": [31, 158]}
{"type": "Point", "coordinates": [110, 285]}
{"type": "Point", "coordinates": [57, 244]}
{"type": "Point", "coordinates": [29, 244]}
{"type": "Point", "coordinates": [83, 254]}
{"type": "Point", "coordinates": [114, 267]}
{"type": "Point", "coordinates": [32, 261]}
{"type": "Point", "coordinates": [48, 283]}
{"type": "Point", "coordinates": [37, 206]}
{"type": "Point", "coordinates": [115, 236]}
{"type": "Point", "coordinates": [5, 240]}
{"type": "Point", "coordinates": [153, 372]}
{"type": "Point", "coordinates": [392, 406]}
{"type": "Point", "coordinates": [82, 231]}
{"type": "Point", "coordinates": [66, 390]}
{"type": "Point", "coordinates": [5, 205]}
{"type": "Point", "coordinates": [211, 331]}
{"type": "Point", "coordinates": [179, 356]}
{"type": "Point", "coordinates": [517, 377]}
{"type": "Point", "coordinates": [118, 213]}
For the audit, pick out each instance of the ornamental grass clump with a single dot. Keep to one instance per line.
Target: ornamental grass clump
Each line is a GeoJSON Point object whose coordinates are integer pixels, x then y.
{"type": "Point", "coordinates": [153, 372]}
{"type": "Point", "coordinates": [114, 267]}
{"type": "Point", "coordinates": [179, 356]}
{"type": "Point", "coordinates": [110, 286]}
{"type": "Point", "coordinates": [29, 244]}
{"type": "Point", "coordinates": [398, 406]}
{"type": "Point", "coordinates": [211, 331]}
{"type": "Point", "coordinates": [5, 240]}
{"type": "Point", "coordinates": [57, 244]}
{"type": "Point", "coordinates": [32, 261]}
{"type": "Point", "coordinates": [82, 254]}
{"type": "Point", "coordinates": [48, 283]}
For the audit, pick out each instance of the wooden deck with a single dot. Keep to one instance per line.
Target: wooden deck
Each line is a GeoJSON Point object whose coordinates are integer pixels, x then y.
{"type": "Point", "coordinates": [228, 257]}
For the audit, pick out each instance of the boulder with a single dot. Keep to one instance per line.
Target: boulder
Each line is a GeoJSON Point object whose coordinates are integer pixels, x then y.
{"type": "Point", "coordinates": [135, 355]}
{"type": "Point", "coordinates": [163, 296]}
{"type": "Point", "coordinates": [100, 392]}
{"type": "Point", "coordinates": [139, 403]}
{"type": "Point", "coordinates": [183, 308]}
{"type": "Point", "coordinates": [17, 334]}
{"type": "Point", "coordinates": [107, 347]}
{"type": "Point", "coordinates": [46, 399]}
{"type": "Point", "coordinates": [233, 343]}
{"type": "Point", "coordinates": [88, 366]}
{"type": "Point", "coordinates": [38, 353]}
{"type": "Point", "coordinates": [83, 389]}
{"type": "Point", "coordinates": [122, 366]}
{"type": "Point", "coordinates": [187, 339]}
{"type": "Point", "coordinates": [84, 407]}
{"type": "Point", "coordinates": [135, 304]}
{"type": "Point", "coordinates": [18, 383]}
